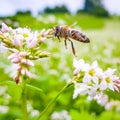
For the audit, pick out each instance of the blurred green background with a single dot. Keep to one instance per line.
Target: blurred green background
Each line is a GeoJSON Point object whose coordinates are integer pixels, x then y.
{"type": "Point", "coordinates": [54, 72]}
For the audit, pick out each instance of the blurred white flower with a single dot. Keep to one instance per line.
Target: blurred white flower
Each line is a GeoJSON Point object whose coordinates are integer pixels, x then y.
{"type": "Point", "coordinates": [4, 109]}
{"type": "Point", "coordinates": [102, 99]}
{"type": "Point", "coordinates": [63, 115]}
{"type": "Point", "coordinates": [3, 90]}
{"type": "Point", "coordinates": [34, 113]}
{"type": "Point", "coordinates": [61, 22]}
{"type": "Point", "coordinates": [113, 105]}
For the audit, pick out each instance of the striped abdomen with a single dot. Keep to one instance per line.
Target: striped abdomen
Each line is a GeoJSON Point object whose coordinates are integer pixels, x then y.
{"type": "Point", "coordinates": [76, 35]}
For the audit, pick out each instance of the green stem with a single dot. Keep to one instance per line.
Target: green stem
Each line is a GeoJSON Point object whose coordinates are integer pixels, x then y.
{"type": "Point", "coordinates": [53, 100]}
{"type": "Point", "coordinates": [24, 100]}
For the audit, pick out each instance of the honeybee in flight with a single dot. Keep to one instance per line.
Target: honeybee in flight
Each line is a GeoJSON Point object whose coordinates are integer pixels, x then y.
{"type": "Point", "coordinates": [67, 33]}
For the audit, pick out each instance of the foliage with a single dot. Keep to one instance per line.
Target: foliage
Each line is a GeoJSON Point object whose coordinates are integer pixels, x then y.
{"type": "Point", "coordinates": [57, 9]}
{"type": "Point", "coordinates": [95, 7]}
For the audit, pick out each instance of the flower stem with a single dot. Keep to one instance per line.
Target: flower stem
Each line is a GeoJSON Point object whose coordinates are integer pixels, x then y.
{"type": "Point", "coordinates": [24, 100]}
{"type": "Point", "coordinates": [53, 100]}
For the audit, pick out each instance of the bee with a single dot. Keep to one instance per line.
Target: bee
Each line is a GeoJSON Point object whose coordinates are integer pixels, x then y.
{"type": "Point", "coordinates": [68, 33]}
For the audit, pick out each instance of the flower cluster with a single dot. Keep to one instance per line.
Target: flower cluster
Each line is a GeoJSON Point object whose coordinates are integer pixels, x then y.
{"type": "Point", "coordinates": [24, 46]}
{"type": "Point", "coordinates": [93, 81]}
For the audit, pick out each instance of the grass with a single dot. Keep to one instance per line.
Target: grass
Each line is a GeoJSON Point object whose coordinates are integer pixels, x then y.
{"type": "Point", "coordinates": [48, 20]}
{"type": "Point", "coordinates": [53, 72]}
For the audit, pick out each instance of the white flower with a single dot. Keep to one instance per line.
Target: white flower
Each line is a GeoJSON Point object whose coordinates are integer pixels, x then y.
{"type": "Point", "coordinates": [80, 88]}
{"type": "Point", "coordinates": [32, 42]}
{"type": "Point", "coordinates": [63, 115]}
{"type": "Point", "coordinates": [79, 65]}
{"type": "Point", "coordinates": [94, 81]}
{"type": "Point", "coordinates": [109, 78]}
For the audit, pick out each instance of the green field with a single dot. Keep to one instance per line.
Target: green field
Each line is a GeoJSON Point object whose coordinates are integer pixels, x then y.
{"type": "Point", "coordinates": [52, 73]}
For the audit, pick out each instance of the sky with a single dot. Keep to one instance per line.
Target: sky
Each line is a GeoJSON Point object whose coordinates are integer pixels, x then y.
{"type": "Point", "coordinates": [9, 7]}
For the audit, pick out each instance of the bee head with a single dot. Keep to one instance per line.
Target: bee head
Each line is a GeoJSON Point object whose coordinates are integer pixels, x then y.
{"type": "Point", "coordinates": [56, 30]}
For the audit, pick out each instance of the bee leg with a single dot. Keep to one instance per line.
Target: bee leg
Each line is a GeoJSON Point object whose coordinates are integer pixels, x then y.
{"type": "Point", "coordinates": [73, 49]}
{"type": "Point", "coordinates": [65, 43]}
{"type": "Point", "coordinates": [58, 38]}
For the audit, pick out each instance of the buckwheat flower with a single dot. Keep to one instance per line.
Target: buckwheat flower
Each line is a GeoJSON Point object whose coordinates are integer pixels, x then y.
{"type": "Point", "coordinates": [31, 43]}
{"type": "Point", "coordinates": [24, 33]}
{"type": "Point", "coordinates": [5, 28]}
{"type": "Point", "coordinates": [44, 33]}
{"type": "Point", "coordinates": [92, 81]}
{"type": "Point", "coordinates": [17, 40]}
{"type": "Point", "coordinates": [108, 79]}
{"type": "Point", "coordinates": [92, 72]}
{"type": "Point", "coordinates": [78, 65]}
{"type": "Point", "coordinates": [24, 46]}
{"type": "Point", "coordinates": [80, 88]}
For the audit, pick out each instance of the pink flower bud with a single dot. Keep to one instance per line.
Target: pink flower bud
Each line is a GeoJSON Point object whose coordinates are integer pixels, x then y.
{"type": "Point", "coordinates": [17, 42]}
{"type": "Point", "coordinates": [30, 63]}
{"type": "Point", "coordinates": [42, 39]}
{"type": "Point", "coordinates": [15, 60]}
{"type": "Point", "coordinates": [116, 88]}
{"type": "Point", "coordinates": [12, 56]}
{"type": "Point", "coordinates": [16, 78]}
{"type": "Point", "coordinates": [22, 54]}
{"type": "Point", "coordinates": [19, 68]}
{"type": "Point", "coordinates": [24, 61]}
{"type": "Point", "coordinates": [76, 71]}
{"type": "Point", "coordinates": [4, 28]}
{"type": "Point", "coordinates": [117, 81]}
{"type": "Point", "coordinates": [44, 33]}
{"type": "Point", "coordinates": [33, 42]}
{"type": "Point", "coordinates": [23, 72]}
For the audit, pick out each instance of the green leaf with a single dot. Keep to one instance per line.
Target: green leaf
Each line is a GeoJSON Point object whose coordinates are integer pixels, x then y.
{"type": "Point", "coordinates": [31, 87]}
{"type": "Point", "coordinates": [81, 115]}
{"type": "Point", "coordinates": [14, 90]}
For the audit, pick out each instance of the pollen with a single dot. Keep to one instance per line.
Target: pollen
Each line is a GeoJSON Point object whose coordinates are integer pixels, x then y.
{"type": "Point", "coordinates": [107, 79]}
{"type": "Point", "coordinates": [91, 72]}
{"type": "Point", "coordinates": [25, 35]}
